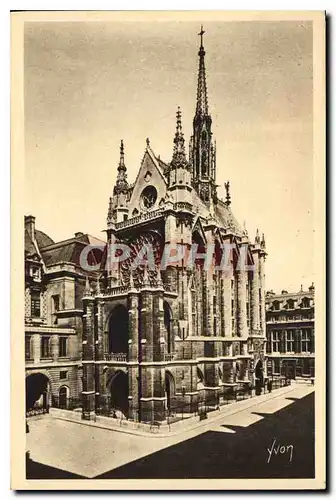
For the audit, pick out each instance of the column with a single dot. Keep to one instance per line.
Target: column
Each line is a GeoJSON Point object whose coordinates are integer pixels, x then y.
{"type": "Point", "coordinates": [88, 359]}
{"type": "Point", "coordinates": [54, 347]}
{"type": "Point", "coordinates": [242, 322]}
{"type": "Point", "coordinates": [226, 308]}
{"type": "Point", "coordinates": [262, 293]}
{"type": "Point", "coordinates": [36, 348]}
{"type": "Point", "coordinates": [255, 294]}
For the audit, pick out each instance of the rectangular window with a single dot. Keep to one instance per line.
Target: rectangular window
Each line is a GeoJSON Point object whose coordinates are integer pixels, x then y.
{"type": "Point", "coordinates": [63, 374]}
{"type": "Point", "coordinates": [290, 341]}
{"type": "Point", "coordinates": [215, 326]}
{"type": "Point", "coordinates": [35, 304]}
{"type": "Point", "coordinates": [275, 341]}
{"type": "Point", "coordinates": [28, 347]}
{"type": "Point", "coordinates": [277, 366]}
{"type": "Point", "coordinates": [305, 347]}
{"type": "Point", "coordinates": [63, 344]}
{"type": "Point", "coordinates": [55, 306]}
{"type": "Point", "coordinates": [232, 307]}
{"type": "Point", "coordinates": [45, 347]}
{"type": "Point", "coordinates": [55, 303]}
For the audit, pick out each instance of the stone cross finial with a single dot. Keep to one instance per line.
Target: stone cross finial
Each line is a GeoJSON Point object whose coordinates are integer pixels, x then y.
{"type": "Point", "coordinates": [228, 196]}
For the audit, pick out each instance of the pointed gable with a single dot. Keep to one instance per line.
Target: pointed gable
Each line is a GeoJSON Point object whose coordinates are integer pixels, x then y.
{"type": "Point", "coordinates": [150, 174]}
{"type": "Point", "coordinates": [198, 228]}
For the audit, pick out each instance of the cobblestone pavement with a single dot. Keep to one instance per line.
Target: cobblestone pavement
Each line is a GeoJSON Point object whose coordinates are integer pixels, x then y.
{"type": "Point", "coordinates": [57, 445]}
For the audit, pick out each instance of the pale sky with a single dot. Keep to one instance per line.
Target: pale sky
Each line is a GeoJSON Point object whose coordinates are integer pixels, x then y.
{"type": "Point", "coordinates": [88, 85]}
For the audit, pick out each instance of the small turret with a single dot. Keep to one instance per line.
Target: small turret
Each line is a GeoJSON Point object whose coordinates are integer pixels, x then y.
{"type": "Point", "coordinates": [179, 174]}
{"type": "Point", "coordinates": [257, 237]}
{"type": "Point", "coordinates": [118, 210]}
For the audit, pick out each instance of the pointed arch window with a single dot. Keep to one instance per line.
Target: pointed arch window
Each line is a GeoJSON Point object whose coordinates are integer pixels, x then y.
{"type": "Point", "coordinates": [204, 163]}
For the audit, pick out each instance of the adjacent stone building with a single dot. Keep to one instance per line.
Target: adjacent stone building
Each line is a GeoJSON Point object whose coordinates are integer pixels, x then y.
{"type": "Point", "coordinates": [290, 334]}
{"type": "Point", "coordinates": [54, 286]}
{"type": "Point", "coordinates": [157, 339]}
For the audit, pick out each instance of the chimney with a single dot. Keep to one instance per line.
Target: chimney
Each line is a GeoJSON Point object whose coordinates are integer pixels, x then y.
{"type": "Point", "coordinates": [30, 225]}
{"type": "Point", "coordinates": [79, 234]}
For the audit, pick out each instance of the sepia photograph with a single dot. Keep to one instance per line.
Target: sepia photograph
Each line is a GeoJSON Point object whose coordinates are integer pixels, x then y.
{"type": "Point", "coordinates": [168, 246]}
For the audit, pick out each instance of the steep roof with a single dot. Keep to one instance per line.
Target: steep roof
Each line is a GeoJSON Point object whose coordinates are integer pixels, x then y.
{"type": "Point", "coordinates": [70, 250]}
{"type": "Point", "coordinates": [43, 239]}
{"type": "Point", "coordinates": [226, 218]}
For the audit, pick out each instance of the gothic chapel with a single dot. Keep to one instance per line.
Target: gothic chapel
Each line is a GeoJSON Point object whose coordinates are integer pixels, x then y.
{"type": "Point", "coordinates": [157, 340]}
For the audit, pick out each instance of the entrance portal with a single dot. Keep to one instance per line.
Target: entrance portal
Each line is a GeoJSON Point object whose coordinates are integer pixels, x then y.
{"type": "Point", "coordinates": [63, 397]}
{"type": "Point", "coordinates": [37, 391]}
{"type": "Point", "coordinates": [119, 393]}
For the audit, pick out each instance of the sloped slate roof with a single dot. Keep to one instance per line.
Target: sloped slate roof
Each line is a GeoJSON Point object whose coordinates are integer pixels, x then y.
{"type": "Point", "coordinates": [226, 218]}
{"type": "Point", "coordinates": [43, 239]}
{"type": "Point", "coordinates": [70, 250]}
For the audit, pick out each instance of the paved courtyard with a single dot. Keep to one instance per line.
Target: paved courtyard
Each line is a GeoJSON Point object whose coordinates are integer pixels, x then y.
{"type": "Point", "coordinates": [234, 444]}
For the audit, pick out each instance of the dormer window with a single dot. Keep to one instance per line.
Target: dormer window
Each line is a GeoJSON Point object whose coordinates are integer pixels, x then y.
{"type": "Point", "coordinates": [305, 302]}
{"type": "Point", "coordinates": [276, 305]}
{"type": "Point", "coordinates": [290, 304]}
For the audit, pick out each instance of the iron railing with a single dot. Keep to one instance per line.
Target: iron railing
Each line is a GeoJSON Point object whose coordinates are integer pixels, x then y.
{"type": "Point", "coordinates": [115, 356]}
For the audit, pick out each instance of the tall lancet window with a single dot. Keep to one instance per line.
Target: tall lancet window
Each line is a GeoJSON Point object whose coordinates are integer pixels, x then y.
{"type": "Point", "coordinates": [204, 163]}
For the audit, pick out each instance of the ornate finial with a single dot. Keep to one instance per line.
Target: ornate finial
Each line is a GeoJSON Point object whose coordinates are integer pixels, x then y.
{"type": "Point", "coordinates": [245, 233]}
{"type": "Point", "coordinates": [98, 286]}
{"type": "Point", "coordinates": [202, 98]}
{"type": "Point", "coordinates": [87, 289]}
{"type": "Point", "coordinates": [145, 276]}
{"type": "Point", "coordinates": [131, 280]}
{"type": "Point", "coordinates": [257, 237]}
{"type": "Point", "coordinates": [201, 33]}
{"type": "Point", "coordinates": [122, 154]}
{"type": "Point", "coordinates": [228, 196]}
{"type": "Point", "coordinates": [121, 185]}
{"type": "Point", "coordinates": [301, 288]}
{"type": "Point", "coordinates": [110, 210]}
{"type": "Point", "coordinates": [147, 142]}
{"type": "Point", "coordinates": [263, 242]}
{"type": "Point", "coordinates": [179, 156]}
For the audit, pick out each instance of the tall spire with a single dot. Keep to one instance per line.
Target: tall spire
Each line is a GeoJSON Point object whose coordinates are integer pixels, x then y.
{"type": "Point", "coordinates": [121, 183]}
{"type": "Point", "coordinates": [202, 154]}
{"type": "Point", "coordinates": [179, 156]}
{"type": "Point", "coordinates": [202, 97]}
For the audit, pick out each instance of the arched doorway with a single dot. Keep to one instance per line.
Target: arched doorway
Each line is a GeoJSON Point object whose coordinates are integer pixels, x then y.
{"type": "Point", "coordinates": [167, 318]}
{"type": "Point", "coordinates": [119, 393]}
{"type": "Point", "coordinates": [37, 391]}
{"type": "Point", "coordinates": [169, 389]}
{"type": "Point", "coordinates": [118, 330]}
{"type": "Point", "coordinates": [63, 397]}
